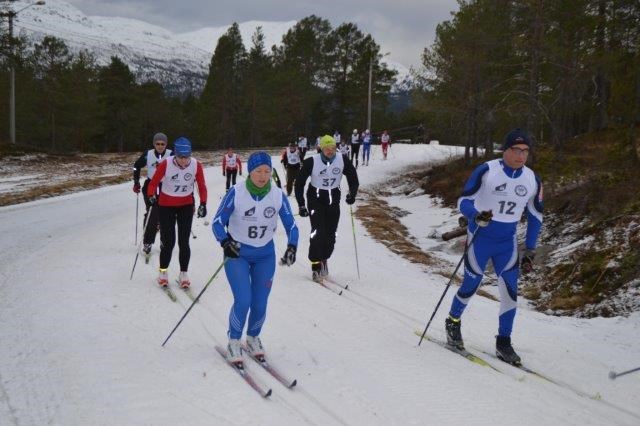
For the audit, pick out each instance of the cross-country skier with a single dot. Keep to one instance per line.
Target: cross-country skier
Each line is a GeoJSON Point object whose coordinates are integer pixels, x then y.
{"type": "Point", "coordinates": [150, 160]}
{"type": "Point", "coordinates": [355, 146]}
{"type": "Point", "coordinates": [291, 161]}
{"type": "Point", "coordinates": [176, 204]}
{"type": "Point", "coordinates": [495, 196]}
{"type": "Point", "coordinates": [384, 141]}
{"type": "Point", "coordinates": [231, 166]}
{"type": "Point", "coordinates": [323, 201]}
{"type": "Point", "coordinates": [337, 137]}
{"type": "Point", "coordinates": [344, 148]}
{"type": "Point", "coordinates": [244, 225]}
{"type": "Point", "coordinates": [366, 147]}
{"type": "Point", "coordinates": [302, 144]}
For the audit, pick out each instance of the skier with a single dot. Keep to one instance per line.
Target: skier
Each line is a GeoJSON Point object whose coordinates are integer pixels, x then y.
{"type": "Point", "coordinates": [150, 160]}
{"type": "Point", "coordinates": [494, 198]}
{"type": "Point", "coordinates": [344, 148]}
{"type": "Point", "coordinates": [178, 175]}
{"type": "Point", "coordinates": [337, 137]}
{"type": "Point", "coordinates": [323, 201]}
{"type": "Point", "coordinates": [366, 147]}
{"type": "Point", "coordinates": [231, 166]}
{"type": "Point", "coordinates": [384, 140]}
{"type": "Point", "coordinates": [291, 161]}
{"type": "Point", "coordinates": [244, 225]}
{"type": "Point", "coordinates": [302, 144]}
{"type": "Point", "coordinates": [355, 146]}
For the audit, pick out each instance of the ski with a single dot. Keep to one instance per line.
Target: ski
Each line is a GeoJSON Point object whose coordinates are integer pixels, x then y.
{"type": "Point", "coordinates": [322, 283]}
{"type": "Point", "coordinates": [462, 352]}
{"type": "Point", "coordinates": [334, 282]}
{"type": "Point", "coordinates": [169, 293]}
{"type": "Point", "coordinates": [244, 374]}
{"type": "Point", "coordinates": [271, 370]}
{"type": "Point", "coordinates": [187, 291]}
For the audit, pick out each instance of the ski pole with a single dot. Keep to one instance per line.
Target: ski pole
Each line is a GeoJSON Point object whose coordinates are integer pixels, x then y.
{"type": "Point", "coordinates": [135, 241]}
{"type": "Point", "coordinates": [144, 231]}
{"type": "Point", "coordinates": [464, 255]}
{"type": "Point", "coordinates": [613, 375]}
{"type": "Point", "coordinates": [355, 246]}
{"type": "Point", "coordinates": [196, 300]}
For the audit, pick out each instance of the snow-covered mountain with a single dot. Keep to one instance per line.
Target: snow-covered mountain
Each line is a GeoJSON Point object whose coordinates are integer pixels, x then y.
{"type": "Point", "coordinates": [179, 61]}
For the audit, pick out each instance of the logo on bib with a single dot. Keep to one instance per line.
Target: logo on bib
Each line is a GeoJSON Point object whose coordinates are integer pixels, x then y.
{"type": "Point", "coordinates": [336, 170]}
{"type": "Point", "coordinates": [269, 212]}
{"type": "Point", "coordinates": [251, 211]}
{"type": "Point", "coordinates": [175, 177]}
{"type": "Point", "coordinates": [521, 190]}
{"type": "Point", "coordinates": [323, 171]}
{"type": "Point", "coordinates": [500, 190]}
{"type": "Point", "coordinates": [188, 176]}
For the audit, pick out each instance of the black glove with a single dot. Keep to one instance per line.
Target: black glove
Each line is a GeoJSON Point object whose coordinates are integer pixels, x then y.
{"type": "Point", "coordinates": [152, 200]}
{"type": "Point", "coordinates": [526, 265]}
{"type": "Point", "coordinates": [202, 210]}
{"type": "Point", "coordinates": [231, 248]}
{"type": "Point", "coordinates": [240, 172]}
{"type": "Point", "coordinates": [224, 174]}
{"type": "Point", "coordinates": [303, 211]}
{"type": "Point", "coordinates": [483, 218]}
{"type": "Point", "coordinates": [136, 187]}
{"type": "Point", "coordinates": [289, 257]}
{"type": "Point", "coordinates": [350, 198]}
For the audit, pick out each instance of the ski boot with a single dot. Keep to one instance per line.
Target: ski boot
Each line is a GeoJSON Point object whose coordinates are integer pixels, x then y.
{"type": "Point", "coordinates": [183, 280]}
{"type": "Point", "coordinates": [255, 348]}
{"type": "Point", "coordinates": [454, 334]}
{"type": "Point", "coordinates": [316, 272]}
{"type": "Point", "coordinates": [163, 278]}
{"type": "Point", "coordinates": [146, 249]}
{"type": "Point", "coordinates": [235, 352]}
{"type": "Point", "coordinates": [505, 351]}
{"type": "Point", "coordinates": [324, 268]}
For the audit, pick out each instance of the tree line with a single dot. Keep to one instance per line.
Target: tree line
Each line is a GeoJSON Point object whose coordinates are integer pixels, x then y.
{"type": "Point", "coordinates": [314, 82]}
{"type": "Point", "coordinates": [556, 68]}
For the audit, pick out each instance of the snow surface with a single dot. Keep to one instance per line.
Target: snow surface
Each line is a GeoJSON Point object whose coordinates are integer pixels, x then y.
{"type": "Point", "coordinates": [81, 342]}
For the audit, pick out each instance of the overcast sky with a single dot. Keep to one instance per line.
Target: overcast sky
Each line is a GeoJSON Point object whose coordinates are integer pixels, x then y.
{"type": "Point", "coordinates": [402, 27]}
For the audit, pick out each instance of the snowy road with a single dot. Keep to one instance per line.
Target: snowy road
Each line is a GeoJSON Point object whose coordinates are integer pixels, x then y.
{"type": "Point", "coordinates": [81, 342]}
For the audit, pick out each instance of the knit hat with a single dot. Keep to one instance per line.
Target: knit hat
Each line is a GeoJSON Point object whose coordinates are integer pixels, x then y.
{"type": "Point", "coordinates": [516, 137]}
{"type": "Point", "coordinates": [160, 137]}
{"type": "Point", "coordinates": [258, 159]}
{"type": "Point", "coordinates": [182, 147]}
{"type": "Point", "coordinates": [327, 141]}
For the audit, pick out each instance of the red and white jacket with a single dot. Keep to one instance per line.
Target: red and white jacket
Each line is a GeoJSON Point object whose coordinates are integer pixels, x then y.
{"type": "Point", "coordinates": [178, 183]}
{"type": "Point", "coordinates": [231, 162]}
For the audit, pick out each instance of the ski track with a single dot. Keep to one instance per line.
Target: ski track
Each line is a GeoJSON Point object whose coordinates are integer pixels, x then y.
{"type": "Point", "coordinates": [84, 341]}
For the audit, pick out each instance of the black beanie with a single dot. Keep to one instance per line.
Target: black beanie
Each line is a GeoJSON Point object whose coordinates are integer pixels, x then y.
{"type": "Point", "coordinates": [516, 137]}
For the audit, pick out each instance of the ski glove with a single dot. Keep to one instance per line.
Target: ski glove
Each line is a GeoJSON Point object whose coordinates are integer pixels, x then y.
{"type": "Point", "coordinates": [231, 248]}
{"type": "Point", "coordinates": [152, 200]}
{"type": "Point", "coordinates": [202, 210]}
{"type": "Point", "coordinates": [289, 257]}
{"type": "Point", "coordinates": [483, 218]}
{"type": "Point", "coordinates": [136, 187]}
{"type": "Point", "coordinates": [224, 174]}
{"type": "Point", "coordinates": [526, 265]}
{"type": "Point", "coordinates": [303, 211]}
{"type": "Point", "coordinates": [350, 198]}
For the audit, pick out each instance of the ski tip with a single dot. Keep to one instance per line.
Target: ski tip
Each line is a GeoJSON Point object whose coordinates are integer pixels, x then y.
{"type": "Point", "coordinates": [295, 382]}
{"type": "Point", "coordinates": [267, 394]}
{"type": "Point", "coordinates": [340, 294]}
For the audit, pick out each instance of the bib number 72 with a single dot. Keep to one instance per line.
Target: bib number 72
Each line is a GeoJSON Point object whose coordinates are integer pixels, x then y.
{"type": "Point", "coordinates": [253, 231]}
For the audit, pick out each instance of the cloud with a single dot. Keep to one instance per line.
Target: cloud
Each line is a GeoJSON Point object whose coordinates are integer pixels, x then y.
{"type": "Point", "coordinates": [403, 28]}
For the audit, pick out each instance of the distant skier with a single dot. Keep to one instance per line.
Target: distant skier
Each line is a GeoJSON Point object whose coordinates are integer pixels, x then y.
{"type": "Point", "coordinates": [385, 142]}
{"type": "Point", "coordinates": [323, 201]}
{"type": "Point", "coordinates": [291, 161]}
{"type": "Point", "coordinates": [337, 137]}
{"type": "Point", "coordinates": [231, 166]}
{"type": "Point", "coordinates": [150, 159]}
{"type": "Point", "coordinates": [355, 146]}
{"type": "Point", "coordinates": [176, 204]}
{"type": "Point", "coordinates": [344, 148]}
{"type": "Point", "coordinates": [302, 144]}
{"type": "Point", "coordinates": [244, 225]}
{"type": "Point", "coordinates": [366, 147]}
{"type": "Point", "coordinates": [494, 198]}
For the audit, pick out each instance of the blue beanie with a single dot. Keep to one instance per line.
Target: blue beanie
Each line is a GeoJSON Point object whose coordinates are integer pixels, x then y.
{"type": "Point", "coordinates": [516, 137]}
{"type": "Point", "coordinates": [257, 159]}
{"type": "Point", "coordinates": [182, 146]}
